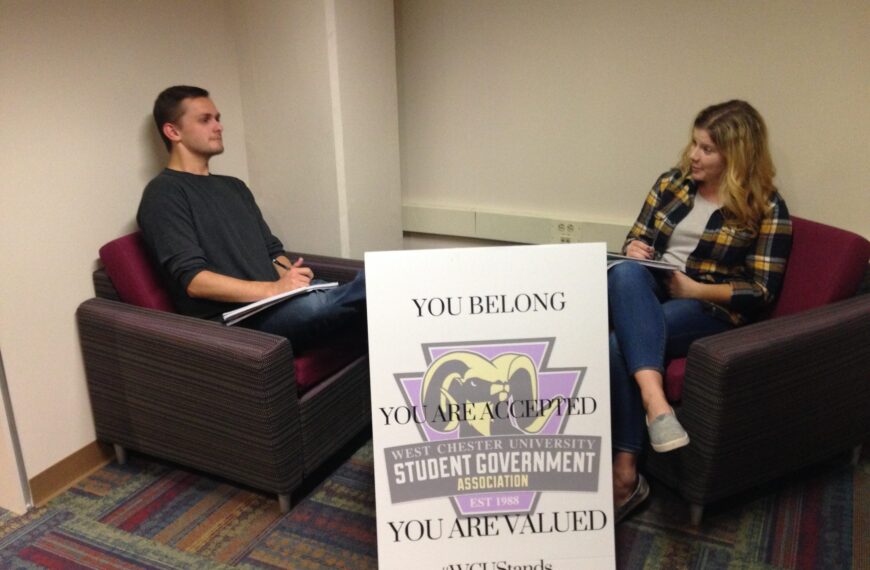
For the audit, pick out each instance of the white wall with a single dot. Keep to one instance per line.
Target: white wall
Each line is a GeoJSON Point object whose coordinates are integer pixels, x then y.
{"type": "Point", "coordinates": [570, 109]}
{"type": "Point", "coordinates": [321, 113]}
{"type": "Point", "coordinates": [364, 77]}
{"type": "Point", "coordinates": [77, 145]}
{"type": "Point", "coordinates": [288, 117]}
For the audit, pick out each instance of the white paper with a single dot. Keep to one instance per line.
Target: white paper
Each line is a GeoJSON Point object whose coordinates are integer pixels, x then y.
{"type": "Point", "coordinates": [616, 259]}
{"type": "Point", "coordinates": [520, 331]}
{"type": "Point", "coordinates": [236, 315]}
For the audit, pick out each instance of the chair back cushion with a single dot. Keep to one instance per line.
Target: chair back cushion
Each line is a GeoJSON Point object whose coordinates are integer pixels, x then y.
{"type": "Point", "coordinates": [133, 274]}
{"type": "Point", "coordinates": [826, 264]}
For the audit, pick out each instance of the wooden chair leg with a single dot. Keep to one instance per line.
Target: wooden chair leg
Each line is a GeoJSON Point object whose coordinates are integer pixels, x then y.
{"type": "Point", "coordinates": [696, 513]}
{"type": "Point", "coordinates": [284, 502]}
{"type": "Point", "coordinates": [120, 454]}
{"type": "Point", "coordinates": [856, 455]}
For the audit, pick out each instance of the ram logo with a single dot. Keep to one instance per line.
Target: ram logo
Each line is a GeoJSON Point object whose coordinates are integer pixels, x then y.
{"type": "Point", "coordinates": [467, 386]}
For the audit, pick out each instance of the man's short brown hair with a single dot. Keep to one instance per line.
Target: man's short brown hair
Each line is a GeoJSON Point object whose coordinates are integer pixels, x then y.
{"type": "Point", "coordinates": [168, 106]}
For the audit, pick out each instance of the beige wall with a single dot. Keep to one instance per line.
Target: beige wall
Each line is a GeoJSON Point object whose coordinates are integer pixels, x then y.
{"type": "Point", "coordinates": [11, 491]}
{"type": "Point", "coordinates": [364, 79]}
{"type": "Point", "coordinates": [288, 118]}
{"type": "Point", "coordinates": [321, 115]}
{"type": "Point", "coordinates": [76, 148]}
{"type": "Point", "coordinates": [570, 109]}
{"type": "Point", "coordinates": [14, 494]}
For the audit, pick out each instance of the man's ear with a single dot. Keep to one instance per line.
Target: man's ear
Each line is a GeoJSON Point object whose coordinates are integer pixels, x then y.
{"type": "Point", "coordinates": [170, 131]}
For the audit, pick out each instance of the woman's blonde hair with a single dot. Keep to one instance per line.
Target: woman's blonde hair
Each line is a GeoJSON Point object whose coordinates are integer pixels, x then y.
{"type": "Point", "coordinates": [740, 134]}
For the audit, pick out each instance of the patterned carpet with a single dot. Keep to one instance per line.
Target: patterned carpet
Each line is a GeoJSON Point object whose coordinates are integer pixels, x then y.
{"type": "Point", "coordinates": [151, 515]}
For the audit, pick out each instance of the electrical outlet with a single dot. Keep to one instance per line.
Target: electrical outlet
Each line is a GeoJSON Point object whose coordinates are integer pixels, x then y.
{"type": "Point", "coordinates": [565, 232]}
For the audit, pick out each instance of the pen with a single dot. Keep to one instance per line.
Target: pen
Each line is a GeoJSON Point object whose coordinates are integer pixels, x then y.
{"type": "Point", "coordinates": [279, 264]}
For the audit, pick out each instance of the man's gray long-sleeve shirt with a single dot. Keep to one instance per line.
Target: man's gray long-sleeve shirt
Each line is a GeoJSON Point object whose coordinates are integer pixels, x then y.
{"type": "Point", "coordinates": [192, 223]}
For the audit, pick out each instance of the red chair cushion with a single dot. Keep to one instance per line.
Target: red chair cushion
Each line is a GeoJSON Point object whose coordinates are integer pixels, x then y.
{"type": "Point", "coordinates": [133, 274]}
{"type": "Point", "coordinates": [675, 374]}
{"type": "Point", "coordinates": [320, 362]}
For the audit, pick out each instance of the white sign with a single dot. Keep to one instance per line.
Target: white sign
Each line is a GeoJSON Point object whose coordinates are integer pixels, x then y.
{"type": "Point", "coordinates": [491, 408]}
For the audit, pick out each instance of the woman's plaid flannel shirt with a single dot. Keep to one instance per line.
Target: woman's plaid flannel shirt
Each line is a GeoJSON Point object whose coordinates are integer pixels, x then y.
{"type": "Point", "coordinates": [752, 265]}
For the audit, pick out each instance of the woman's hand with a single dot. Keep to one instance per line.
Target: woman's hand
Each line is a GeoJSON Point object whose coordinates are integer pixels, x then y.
{"type": "Point", "coordinates": [639, 250]}
{"type": "Point", "coordinates": [681, 286]}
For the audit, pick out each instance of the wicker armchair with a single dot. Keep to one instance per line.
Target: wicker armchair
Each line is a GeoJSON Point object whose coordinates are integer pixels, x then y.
{"type": "Point", "coordinates": [224, 400]}
{"type": "Point", "coordinates": [769, 398]}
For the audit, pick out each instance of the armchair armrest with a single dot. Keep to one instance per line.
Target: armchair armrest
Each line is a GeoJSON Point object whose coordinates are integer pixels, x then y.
{"type": "Point", "coordinates": [221, 399]}
{"type": "Point", "coordinates": [768, 398]}
{"type": "Point", "coordinates": [330, 268]}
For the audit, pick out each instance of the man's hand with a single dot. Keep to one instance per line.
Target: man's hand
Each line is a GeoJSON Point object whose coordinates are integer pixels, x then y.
{"type": "Point", "coordinates": [296, 276]}
{"type": "Point", "coordinates": [216, 287]}
{"type": "Point", "coordinates": [639, 250]}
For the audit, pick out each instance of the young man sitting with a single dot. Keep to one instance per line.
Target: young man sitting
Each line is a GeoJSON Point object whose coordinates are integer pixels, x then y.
{"type": "Point", "coordinates": [211, 242]}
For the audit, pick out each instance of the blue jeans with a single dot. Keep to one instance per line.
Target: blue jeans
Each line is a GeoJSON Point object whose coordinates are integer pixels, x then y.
{"type": "Point", "coordinates": [647, 328]}
{"type": "Point", "coordinates": [309, 317]}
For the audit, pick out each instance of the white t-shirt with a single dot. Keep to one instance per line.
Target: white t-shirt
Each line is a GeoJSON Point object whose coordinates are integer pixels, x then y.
{"type": "Point", "coordinates": [688, 232]}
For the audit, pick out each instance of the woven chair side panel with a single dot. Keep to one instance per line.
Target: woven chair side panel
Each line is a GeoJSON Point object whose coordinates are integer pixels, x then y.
{"type": "Point", "coordinates": [771, 398]}
{"type": "Point", "coordinates": [214, 398]}
{"type": "Point", "coordinates": [864, 287]}
{"type": "Point", "coordinates": [335, 412]}
{"type": "Point", "coordinates": [103, 286]}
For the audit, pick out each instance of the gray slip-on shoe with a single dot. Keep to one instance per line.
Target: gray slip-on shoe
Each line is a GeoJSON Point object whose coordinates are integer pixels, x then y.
{"type": "Point", "coordinates": [666, 433]}
{"type": "Point", "coordinates": [639, 495]}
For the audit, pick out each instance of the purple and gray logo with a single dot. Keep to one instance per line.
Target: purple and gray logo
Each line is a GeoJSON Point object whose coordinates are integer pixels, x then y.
{"type": "Point", "coordinates": [492, 417]}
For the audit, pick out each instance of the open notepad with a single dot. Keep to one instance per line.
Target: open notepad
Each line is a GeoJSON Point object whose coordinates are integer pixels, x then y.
{"type": "Point", "coordinates": [232, 317]}
{"type": "Point", "coordinates": [616, 259]}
